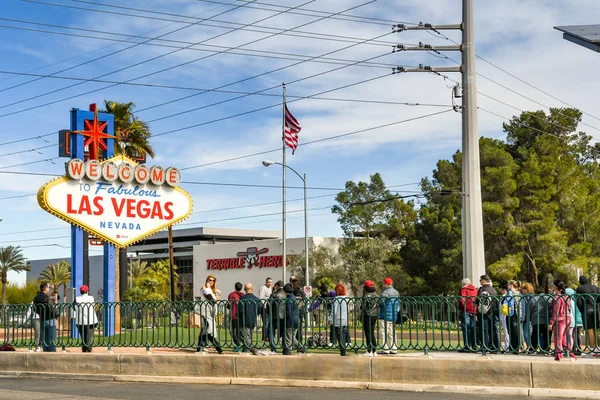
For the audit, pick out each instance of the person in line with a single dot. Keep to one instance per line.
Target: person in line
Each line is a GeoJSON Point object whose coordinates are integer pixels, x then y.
{"type": "Point", "coordinates": [576, 324]}
{"type": "Point", "coordinates": [277, 312]}
{"type": "Point", "coordinates": [320, 304]}
{"type": "Point", "coordinates": [339, 318]}
{"type": "Point", "coordinates": [250, 308]}
{"type": "Point", "coordinates": [388, 312]}
{"type": "Point", "coordinates": [207, 309]}
{"type": "Point", "coordinates": [527, 295]}
{"type": "Point", "coordinates": [490, 335]}
{"type": "Point", "coordinates": [292, 321]}
{"type": "Point", "coordinates": [510, 310]}
{"type": "Point", "coordinates": [85, 318]}
{"type": "Point", "coordinates": [467, 313]}
{"type": "Point", "coordinates": [369, 312]}
{"type": "Point", "coordinates": [233, 299]}
{"type": "Point", "coordinates": [560, 320]}
{"type": "Point", "coordinates": [539, 314]}
{"type": "Point", "coordinates": [35, 323]}
{"type": "Point", "coordinates": [264, 293]}
{"type": "Point", "coordinates": [300, 296]}
{"type": "Point", "coordinates": [589, 296]}
{"type": "Point", "coordinates": [46, 309]}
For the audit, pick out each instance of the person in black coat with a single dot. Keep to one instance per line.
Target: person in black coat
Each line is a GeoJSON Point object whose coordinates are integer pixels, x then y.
{"type": "Point", "coordinates": [249, 308]}
{"type": "Point", "coordinates": [46, 309]}
{"type": "Point", "coordinates": [587, 303]}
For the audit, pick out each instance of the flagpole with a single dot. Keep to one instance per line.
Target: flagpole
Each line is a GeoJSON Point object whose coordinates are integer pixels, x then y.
{"type": "Point", "coordinates": [283, 215]}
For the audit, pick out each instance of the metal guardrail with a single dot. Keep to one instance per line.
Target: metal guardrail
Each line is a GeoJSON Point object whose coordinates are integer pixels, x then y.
{"type": "Point", "coordinates": [403, 323]}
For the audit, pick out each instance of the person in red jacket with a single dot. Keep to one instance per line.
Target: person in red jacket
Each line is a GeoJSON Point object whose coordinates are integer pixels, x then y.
{"type": "Point", "coordinates": [234, 299]}
{"type": "Point", "coordinates": [467, 312]}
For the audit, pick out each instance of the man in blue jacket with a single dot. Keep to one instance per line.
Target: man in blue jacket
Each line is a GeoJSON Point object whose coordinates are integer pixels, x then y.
{"type": "Point", "coordinates": [292, 321]}
{"type": "Point", "coordinates": [388, 311]}
{"type": "Point", "coordinates": [249, 309]}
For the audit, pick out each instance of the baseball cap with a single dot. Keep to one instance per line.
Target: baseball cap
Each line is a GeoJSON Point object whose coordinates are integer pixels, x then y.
{"type": "Point", "coordinates": [388, 281]}
{"type": "Point", "coordinates": [84, 288]}
{"type": "Point", "coordinates": [370, 284]}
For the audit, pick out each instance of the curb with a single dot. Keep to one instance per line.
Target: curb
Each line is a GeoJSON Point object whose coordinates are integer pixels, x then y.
{"type": "Point", "coordinates": [400, 387]}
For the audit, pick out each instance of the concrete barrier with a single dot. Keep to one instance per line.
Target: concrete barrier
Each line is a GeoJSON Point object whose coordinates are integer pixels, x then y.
{"type": "Point", "coordinates": [307, 367]}
{"type": "Point", "coordinates": [178, 365]}
{"type": "Point", "coordinates": [382, 373]}
{"type": "Point", "coordinates": [576, 375]}
{"type": "Point", "coordinates": [452, 372]}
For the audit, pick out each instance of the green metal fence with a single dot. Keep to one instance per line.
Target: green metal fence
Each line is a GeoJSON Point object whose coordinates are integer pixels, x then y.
{"type": "Point", "coordinates": [515, 324]}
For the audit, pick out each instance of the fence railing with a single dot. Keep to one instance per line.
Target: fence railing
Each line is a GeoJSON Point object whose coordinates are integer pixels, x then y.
{"type": "Point", "coordinates": [484, 324]}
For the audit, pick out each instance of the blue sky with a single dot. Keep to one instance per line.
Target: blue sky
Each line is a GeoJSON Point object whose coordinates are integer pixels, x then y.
{"type": "Point", "coordinates": [515, 35]}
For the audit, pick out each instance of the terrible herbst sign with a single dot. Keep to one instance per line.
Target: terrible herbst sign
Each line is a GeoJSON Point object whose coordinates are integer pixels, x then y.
{"type": "Point", "coordinates": [117, 200]}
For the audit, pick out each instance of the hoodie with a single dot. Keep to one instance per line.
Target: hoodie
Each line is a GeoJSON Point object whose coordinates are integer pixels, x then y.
{"type": "Point", "coordinates": [588, 296]}
{"type": "Point", "coordinates": [468, 295]}
{"type": "Point", "coordinates": [575, 313]}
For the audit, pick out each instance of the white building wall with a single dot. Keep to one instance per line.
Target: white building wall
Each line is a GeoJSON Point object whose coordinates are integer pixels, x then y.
{"type": "Point", "coordinates": [229, 263]}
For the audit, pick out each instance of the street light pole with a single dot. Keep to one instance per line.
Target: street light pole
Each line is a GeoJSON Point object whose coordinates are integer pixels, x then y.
{"type": "Point", "coordinates": [267, 163]}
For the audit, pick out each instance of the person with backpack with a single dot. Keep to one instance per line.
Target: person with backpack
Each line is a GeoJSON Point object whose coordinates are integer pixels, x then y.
{"type": "Point", "coordinates": [510, 305]}
{"type": "Point", "coordinates": [487, 305]}
{"type": "Point", "coordinates": [560, 320]}
{"type": "Point", "coordinates": [587, 299]}
{"type": "Point", "coordinates": [467, 313]}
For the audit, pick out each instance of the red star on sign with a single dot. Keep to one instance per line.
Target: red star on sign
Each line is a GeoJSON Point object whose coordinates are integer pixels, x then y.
{"type": "Point", "coordinates": [94, 135]}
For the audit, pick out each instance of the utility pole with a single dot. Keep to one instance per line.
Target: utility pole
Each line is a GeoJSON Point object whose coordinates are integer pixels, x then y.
{"type": "Point", "coordinates": [472, 217]}
{"type": "Point", "coordinates": [171, 263]}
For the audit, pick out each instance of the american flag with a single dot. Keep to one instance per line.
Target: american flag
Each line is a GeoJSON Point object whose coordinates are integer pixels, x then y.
{"type": "Point", "coordinates": [291, 127]}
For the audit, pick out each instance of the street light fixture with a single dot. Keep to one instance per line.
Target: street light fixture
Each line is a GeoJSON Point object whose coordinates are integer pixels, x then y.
{"type": "Point", "coordinates": [268, 163]}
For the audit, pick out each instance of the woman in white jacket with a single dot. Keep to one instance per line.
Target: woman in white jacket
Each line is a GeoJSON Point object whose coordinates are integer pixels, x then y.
{"type": "Point", "coordinates": [85, 318]}
{"type": "Point", "coordinates": [35, 323]}
{"type": "Point", "coordinates": [207, 309]}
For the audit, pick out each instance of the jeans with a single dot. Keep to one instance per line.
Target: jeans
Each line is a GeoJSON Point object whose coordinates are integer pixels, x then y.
{"type": "Point", "coordinates": [467, 323]}
{"type": "Point", "coordinates": [48, 335]}
{"type": "Point", "coordinates": [527, 333]}
{"type": "Point", "coordinates": [276, 328]}
{"type": "Point", "coordinates": [514, 333]}
{"type": "Point", "coordinates": [235, 332]}
{"type": "Point", "coordinates": [340, 333]}
{"type": "Point", "coordinates": [266, 320]}
{"type": "Point", "coordinates": [539, 337]}
{"type": "Point", "coordinates": [491, 335]}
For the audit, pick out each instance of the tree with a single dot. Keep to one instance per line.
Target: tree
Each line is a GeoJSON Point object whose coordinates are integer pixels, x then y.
{"type": "Point", "coordinates": [362, 209]}
{"type": "Point", "coordinates": [21, 294]}
{"type": "Point", "coordinates": [132, 134]}
{"type": "Point", "coordinates": [57, 274]}
{"type": "Point", "coordinates": [151, 283]}
{"type": "Point", "coordinates": [323, 263]}
{"type": "Point", "coordinates": [11, 259]}
{"type": "Point", "coordinates": [137, 271]}
{"type": "Point", "coordinates": [364, 259]}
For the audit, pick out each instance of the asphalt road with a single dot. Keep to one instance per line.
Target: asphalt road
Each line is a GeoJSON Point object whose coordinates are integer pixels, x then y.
{"type": "Point", "coordinates": [47, 389]}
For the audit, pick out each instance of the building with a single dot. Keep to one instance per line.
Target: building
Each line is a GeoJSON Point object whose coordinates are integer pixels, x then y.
{"type": "Point", "coordinates": [249, 261]}
{"type": "Point", "coordinates": [156, 247]}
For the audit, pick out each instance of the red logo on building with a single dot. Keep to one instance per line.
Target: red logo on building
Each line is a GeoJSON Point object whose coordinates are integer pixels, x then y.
{"type": "Point", "coordinates": [250, 258]}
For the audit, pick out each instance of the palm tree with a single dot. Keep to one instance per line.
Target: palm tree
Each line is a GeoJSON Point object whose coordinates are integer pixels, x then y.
{"type": "Point", "coordinates": [57, 274]}
{"type": "Point", "coordinates": [132, 134]}
{"type": "Point", "coordinates": [137, 271]}
{"type": "Point", "coordinates": [11, 259]}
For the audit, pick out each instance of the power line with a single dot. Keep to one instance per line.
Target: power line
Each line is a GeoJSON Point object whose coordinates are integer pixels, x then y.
{"type": "Point", "coordinates": [246, 52]}
{"type": "Point", "coordinates": [27, 151]}
{"type": "Point", "coordinates": [50, 160]}
{"type": "Point", "coordinates": [18, 196]}
{"type": "Point", "coordinates": [124, 68]}
{"type": "Point", "coordinates": [522, 81]}
{"type": "Point", "coordinates": [29, 138]}
{"type": "Point", "coordinates": [263, 28]}
{"type": "Point", "coordinates": [169, 53]}
{"type": "Point", "coordinates": [318, 140]}
{"type": "Point", "coordinates": [159, 86]}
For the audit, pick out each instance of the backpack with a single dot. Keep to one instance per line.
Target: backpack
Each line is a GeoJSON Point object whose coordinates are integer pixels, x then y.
{"type": "Point", "coordinates": [485, 303]}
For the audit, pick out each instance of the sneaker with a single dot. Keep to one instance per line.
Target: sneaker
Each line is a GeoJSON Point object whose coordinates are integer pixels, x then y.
{"type": "Point", "coordinates": [374, 354]}
{"type": "Point", "coordinates": [330, 345]}
{"type": "Point", "coordinates": [237, 349]}
{"type": "Point", "coordinates": [393, 351]}
{"type": "Point", "coordinates": [38, 349]}
{"type": "Point", "coordinates": [368, 354]}
{"type": "Point", "coordinates": [384, 352]}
